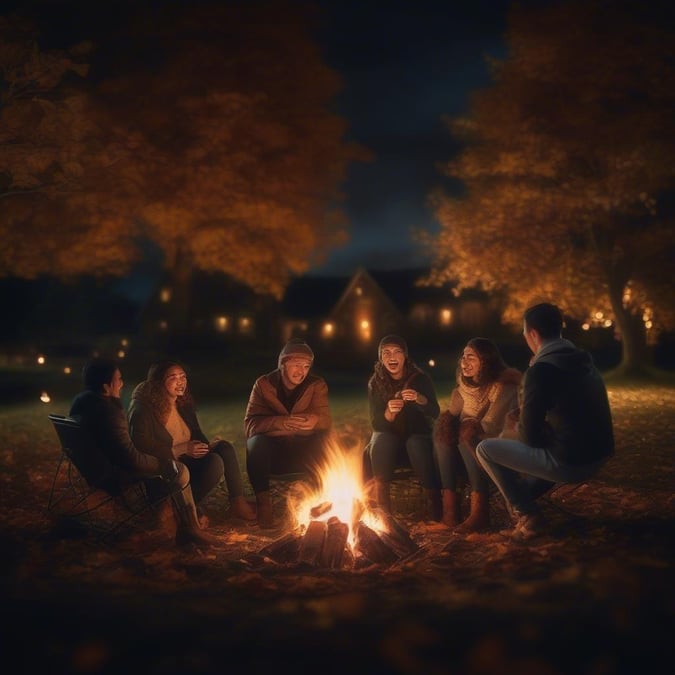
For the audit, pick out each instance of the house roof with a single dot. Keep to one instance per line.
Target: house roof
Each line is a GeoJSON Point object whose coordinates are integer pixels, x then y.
{"type": "Point", "coordinates": [315, 296]}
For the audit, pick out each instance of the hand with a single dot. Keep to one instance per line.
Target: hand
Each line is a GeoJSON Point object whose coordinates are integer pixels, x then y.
{"type": "Point", "coordinates": [410, 395]}
{"type": "Point", "coordinates": [197, 449]}
{"type": "Point", "coordinates": [395, 405]}
{"type": "Point", "coordinates": [301, 422]}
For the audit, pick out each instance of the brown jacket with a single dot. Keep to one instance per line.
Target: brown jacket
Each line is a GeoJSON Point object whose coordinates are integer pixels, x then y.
{"type": "Point", "coordinates": [266, 414]}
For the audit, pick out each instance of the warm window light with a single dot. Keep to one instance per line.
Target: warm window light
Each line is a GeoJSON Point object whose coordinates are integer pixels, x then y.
{"type": "Point", "coordinates": [124, 342]}
{"type": "Point", "coordinates": [121, 354]}
{"type": "Point", "coordinates": [446, 317]}
{"type": "Point", "coordinates": [328, 329]}
{"type": "Point", "coordinates": [648, 324]}
{"type": "Point", "coordinates": [163, 325]}
{"type": "Point", "coordinates": [41, 360]}
{"type": "Point", "coordinates": [365, 329]}
{"type": "Point", "coordinates": [165, 295]}
{"type": "Point", "coordinates": [607, 323]}
{"type": "Point", "coordinates": [358, 290]}
{"type": "Point", "coordinates": [222, 323]}
{"type": "Point", "coordinates": [586, 326]}
{"type": "Point", "coordinates": [67, 370]}
{"type": "Point", "coordinates": [599, 315]}
{"type": "Point", "coordinates": [431, 363]}
{"type": "Point", "coordinates": [44, 397]}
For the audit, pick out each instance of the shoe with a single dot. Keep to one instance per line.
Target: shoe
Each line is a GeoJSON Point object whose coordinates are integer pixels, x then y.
{"type": "Point", "coordinates": [528, 526]}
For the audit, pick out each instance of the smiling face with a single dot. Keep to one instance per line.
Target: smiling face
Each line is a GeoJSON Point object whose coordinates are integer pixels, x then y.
{"type": "Point", "coordinates": [294, 370]}
{"type": "Point", "coordinates": [470, 363]}
{"type": "Point", "coordinates": [393, 359]}
{"type": "Point", "coordinates": [175, 381]}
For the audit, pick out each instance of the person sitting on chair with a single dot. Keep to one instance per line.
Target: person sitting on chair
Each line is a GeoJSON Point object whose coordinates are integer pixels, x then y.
{"type": "Point", "coordinates": [163, 422]}
{"type": "Point", "coordinates": [99, 411]}
{"type": "Point", "coordinates": [287, 423]}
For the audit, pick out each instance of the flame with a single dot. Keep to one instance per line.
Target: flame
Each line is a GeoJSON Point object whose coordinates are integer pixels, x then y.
{"type": "Point", "coordinates": [341, 493]}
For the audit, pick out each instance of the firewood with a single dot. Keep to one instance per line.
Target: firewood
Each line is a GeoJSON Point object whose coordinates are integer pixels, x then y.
{"type": "Point", "coordinates": [283, 550]}
{"type": "Point", "coordinates": [318, 510]}
{"type": "Point", "coordinates": [370, 545]}
{"type": "Point", "coordinates": [333, 550]}
{"type": "Point", "coordinates": [396, 536]}
{"type": "Point", "coordinates": [312, 542]}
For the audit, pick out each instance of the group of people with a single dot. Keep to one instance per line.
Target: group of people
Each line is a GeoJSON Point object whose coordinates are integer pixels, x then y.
{"type": "Point", "coordinates": [519, 432]}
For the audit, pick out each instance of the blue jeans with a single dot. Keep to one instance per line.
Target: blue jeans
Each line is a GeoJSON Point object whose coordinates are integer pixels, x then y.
{"type": "Point", "coordinates": [505, 460]}
{"type": "Point", "coordinates": [206, 471]}
{"type": "Point", "coordinates": [388, 451]}
{"type": "Point", "coordinates": [449, 460]}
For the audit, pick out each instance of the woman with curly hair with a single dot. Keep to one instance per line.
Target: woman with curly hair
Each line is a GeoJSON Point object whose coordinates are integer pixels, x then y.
{"type": "Point", "coordinates": [486, 390]}
{"type": "Point", "coordinates": [403, 406]}
{"type": "Point", "coordinates": [163, 422]}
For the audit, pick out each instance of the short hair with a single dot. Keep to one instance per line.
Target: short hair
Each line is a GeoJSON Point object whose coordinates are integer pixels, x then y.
{"type": "Point", "coordinates": [97, 372]}
{"type": "Point", "coordinates": [546, 319]}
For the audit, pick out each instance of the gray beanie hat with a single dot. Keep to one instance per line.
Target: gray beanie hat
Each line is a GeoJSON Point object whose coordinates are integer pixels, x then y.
{"type": "Point", "coordinates": [295, 347]}
{"type": "Point", "coordinates": [392, 340]}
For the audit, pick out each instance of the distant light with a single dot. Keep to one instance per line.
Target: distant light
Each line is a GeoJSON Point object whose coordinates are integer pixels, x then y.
{"type": "Point", "coordinates": [221, 323]}
{"type": "Point", "coordinates": [328, 329]}
{"type": "Point", "coordinates": [121, 354]}
{"type": "Point", "coordinates": [432, 362]}
{"type": "Point", "coordinates": [607, 323]}
{"type": "Point", "coordinates": [124, 342]}
{"type": "Point", "coordinates": [41, 360]}
{"type": "Point", "coordinates": [599, 315]}
{"type": "Point", "coordinates": [165, 295]}
{"type": "Point", "coordinates": [163, 325]}
{"type": "Point", "coordinates": [585, 326]}
{"type": "Point", "coordinates": [358, 290]}
{"type": "Point", "coordinates": [446, 317]}
{"type": "Point", "coordinates": [67, 370]}
{"type": "Point", "coordinates": [44, 397]}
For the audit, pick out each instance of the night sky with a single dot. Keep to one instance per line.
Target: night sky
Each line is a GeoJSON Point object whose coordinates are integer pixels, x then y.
{"type": "Point", "coordinates": [405, 65]}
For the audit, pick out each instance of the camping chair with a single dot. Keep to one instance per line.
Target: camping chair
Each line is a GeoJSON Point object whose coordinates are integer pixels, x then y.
{"type": "Point", "coordinates": [76, 494]}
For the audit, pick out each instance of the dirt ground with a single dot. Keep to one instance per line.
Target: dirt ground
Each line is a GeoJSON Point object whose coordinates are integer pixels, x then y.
{"type": "Point", "coordinates": [594, 595]}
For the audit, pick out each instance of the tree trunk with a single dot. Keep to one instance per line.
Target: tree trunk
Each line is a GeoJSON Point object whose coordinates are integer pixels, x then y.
{"type": "Point", "coordinates": [634, 353]}
{"type": "Point", "coordinates": [181, 301]}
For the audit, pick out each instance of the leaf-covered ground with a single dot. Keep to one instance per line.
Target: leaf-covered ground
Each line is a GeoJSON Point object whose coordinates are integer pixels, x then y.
{"type": "Point", "coordinates": [593, 595]}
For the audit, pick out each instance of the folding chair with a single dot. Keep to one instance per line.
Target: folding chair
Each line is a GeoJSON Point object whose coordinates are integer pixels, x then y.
{"type": "Point", "coordinates": [77, 494]}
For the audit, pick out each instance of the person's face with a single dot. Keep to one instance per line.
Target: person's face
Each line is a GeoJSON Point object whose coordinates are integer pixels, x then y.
{"type": "Point", "coordinates": [469, 363]}
{"type": "Point", "coordinates": [114, 389]}
{"type": "Point", "coordinates": [393, 359]}
{"type": "Point", "coordinates": [294, 371]}
{"type": "Point", "coordinates": [175, 381]}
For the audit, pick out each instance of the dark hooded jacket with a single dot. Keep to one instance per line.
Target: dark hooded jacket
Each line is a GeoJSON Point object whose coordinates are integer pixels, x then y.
{"type": "Point", "coordinates": [565, 407]}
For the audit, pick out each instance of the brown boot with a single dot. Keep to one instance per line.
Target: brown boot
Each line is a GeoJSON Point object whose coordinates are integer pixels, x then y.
{"type": "Point", "coordinates": [432, 500]}
{"type": "Point", "coordinates": [479, 517]}
{"type": "Point", "coordinates": [188, 529]}
{"type": "Point", "coordinates": [450, 501]}
{"type": "Point", "coordinates": [240, 508]}
{"type": "Point", "coordinates": [382, 495]}
{"type": "Point", "coordinates": [265, 515]}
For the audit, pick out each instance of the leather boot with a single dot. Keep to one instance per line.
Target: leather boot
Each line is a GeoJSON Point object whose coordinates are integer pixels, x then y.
{"type": "Point", "coordinates": [188, 530]}
{"type": "Point", "coordinates": [451, 514]}
{"type": "Point", "coordinates": [432, 499]}
{"type": "Point", "coordinates": [240, 508]}
{"type": "Point", "coordinates": [479, 517]}
{"type": "Point", "coordinates": [382, 495]}
{"type": "Point", "coordinates": [265, 514]}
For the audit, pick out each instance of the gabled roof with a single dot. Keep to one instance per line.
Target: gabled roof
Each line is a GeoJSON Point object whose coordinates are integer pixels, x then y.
{"type": "Point", "coordinates": [313, 297]}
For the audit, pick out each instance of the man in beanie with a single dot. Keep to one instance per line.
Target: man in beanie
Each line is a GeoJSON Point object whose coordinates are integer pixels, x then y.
{"type": "Point", "coordinates": [286, 423]}
{"type": "Point", "coordinates": [403, 407]}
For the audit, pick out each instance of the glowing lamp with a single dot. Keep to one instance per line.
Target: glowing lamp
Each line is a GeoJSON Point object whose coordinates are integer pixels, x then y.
{"type": "Point", "coordinates": [44, 397]}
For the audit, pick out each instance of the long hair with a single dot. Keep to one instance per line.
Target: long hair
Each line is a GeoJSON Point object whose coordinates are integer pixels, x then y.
{"type": "Point", "coordinates": [156, 391]}
{"type": "Point", "coordinates": [384, 385]}
{"type": "Point", "coordinates": [492, 364]}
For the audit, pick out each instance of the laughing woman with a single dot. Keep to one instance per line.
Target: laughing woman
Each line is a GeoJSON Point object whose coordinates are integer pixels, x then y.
{"type": "Point", "coordinates": [486, 390]}
{"type": "Point", "coordinates": [403, 406]}
{"type": "Point", "coordinates": [163, 422]}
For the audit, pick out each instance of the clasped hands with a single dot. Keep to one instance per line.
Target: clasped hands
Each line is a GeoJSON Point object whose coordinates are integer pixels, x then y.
{"type": "Point", "coordinates": [300, 422]}
{"type": "Point", "coordinates": [395, 405]}
{"type": "Point", "coordinates": [197, 449]}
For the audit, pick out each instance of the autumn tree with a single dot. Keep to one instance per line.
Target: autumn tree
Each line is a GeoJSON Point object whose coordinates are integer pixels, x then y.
{"type": "Point", "coordinates": [568, 172]}
{"type": "Point", "coordinates": [225, 152]}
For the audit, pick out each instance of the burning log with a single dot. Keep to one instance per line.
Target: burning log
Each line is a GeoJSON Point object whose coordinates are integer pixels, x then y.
{"type": "Point", "coordinates": [371, 546]}
{"type": "Point", "coordinates": [395, 535]}
{"type": "Point", "coordinates": [334, 545]}
{"type": "Point", "coordinates": [318, 510]}
{"type": "Point", "coordinates": [312, 543]}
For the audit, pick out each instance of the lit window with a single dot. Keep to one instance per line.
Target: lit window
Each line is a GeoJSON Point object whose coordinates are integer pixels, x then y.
{"type": "Point", "coordinates": [364, 330]}
{"type": "Point", "coordinates": [165, 295]}
{"type": "Point", "coordinates": [222, 323]}
{"type": "Point", "coordinates": [446, 317]}
{"type": "Point", "coordinates": [328, 329]}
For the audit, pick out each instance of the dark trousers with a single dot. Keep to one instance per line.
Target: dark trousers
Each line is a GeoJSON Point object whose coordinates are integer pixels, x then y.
{"type": "Point", "coordinates": [277, 455]}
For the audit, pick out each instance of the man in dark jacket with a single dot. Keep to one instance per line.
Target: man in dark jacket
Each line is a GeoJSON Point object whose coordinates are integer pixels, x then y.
{"type": "Point", "coordinates": [119, 464]}
{"type": "Point", "coordinates": [565, 430]}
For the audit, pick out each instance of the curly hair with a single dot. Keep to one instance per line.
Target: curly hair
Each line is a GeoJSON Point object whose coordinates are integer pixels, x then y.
{"type": "Point", "coordinates": [382, 383]}
{"type": "Point", "coordinates": [156, 391]}
{"type": "Point", "coordinates": [492, 364]}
